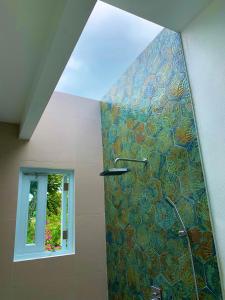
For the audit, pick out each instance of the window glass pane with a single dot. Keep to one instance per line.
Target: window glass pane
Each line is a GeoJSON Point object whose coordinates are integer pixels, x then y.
{"type": "Point", "coordinates": [53, 240]}
{"type": "Point", "coordinates": [32, 210]}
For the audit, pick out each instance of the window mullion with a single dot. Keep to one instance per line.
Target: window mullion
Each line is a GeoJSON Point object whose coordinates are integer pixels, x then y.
{"type": "Point", "coordinates": [21, 230]}
{"type": "Point", "coordinates": [41, 212]}
{"type": "Point", "coordinates": [71, 214]}
{"type": "Point", "coordinates": [64, 213]}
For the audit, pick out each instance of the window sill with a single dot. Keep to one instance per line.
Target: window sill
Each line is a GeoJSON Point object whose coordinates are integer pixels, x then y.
{"type": "Point", "coordinates": [41, 255]}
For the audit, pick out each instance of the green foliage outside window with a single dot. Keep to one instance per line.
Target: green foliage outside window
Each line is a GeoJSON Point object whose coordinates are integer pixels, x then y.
{"type": "Point", "coordinates": [53, 213]}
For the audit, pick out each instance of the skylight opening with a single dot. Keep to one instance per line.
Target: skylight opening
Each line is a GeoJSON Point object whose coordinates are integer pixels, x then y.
{"type": "Point", "coordinates": [109, 43]}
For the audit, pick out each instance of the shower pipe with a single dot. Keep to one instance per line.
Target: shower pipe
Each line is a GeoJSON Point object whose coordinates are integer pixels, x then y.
{"type": "Point", "coordinates": [144, 160]}
{"type": "Point", "coordinates": [184, 232]}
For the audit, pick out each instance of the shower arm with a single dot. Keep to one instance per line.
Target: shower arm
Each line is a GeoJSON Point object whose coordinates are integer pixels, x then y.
{"type": "Point", "coordinates": [144, 160]}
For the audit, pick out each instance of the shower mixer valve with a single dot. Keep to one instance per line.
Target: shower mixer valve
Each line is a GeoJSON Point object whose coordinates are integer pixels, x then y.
{"type": "Point", "coordinates": [156, 293]}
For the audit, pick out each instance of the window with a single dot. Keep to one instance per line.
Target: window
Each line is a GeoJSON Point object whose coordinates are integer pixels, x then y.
{"type": "Point", "coordinates": [45, 214]}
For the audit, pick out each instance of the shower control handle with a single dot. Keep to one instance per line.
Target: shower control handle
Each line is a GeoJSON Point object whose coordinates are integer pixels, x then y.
{"type": "Point", "coordinates": [156, 293]}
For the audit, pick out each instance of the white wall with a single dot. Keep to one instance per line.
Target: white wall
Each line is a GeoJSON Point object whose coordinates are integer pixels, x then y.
{"type": "Point", "coordinates": [204, 45]}
{"type": "Point", "coordinates": [68, 136]}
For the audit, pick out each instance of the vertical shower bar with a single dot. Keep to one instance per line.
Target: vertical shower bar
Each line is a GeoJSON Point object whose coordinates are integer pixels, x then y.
{"type": "Point", "coordinates": [189, 245]}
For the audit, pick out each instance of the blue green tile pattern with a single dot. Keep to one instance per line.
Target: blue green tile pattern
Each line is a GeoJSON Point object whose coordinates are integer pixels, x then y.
{"type": "Point", "coordinates": [148, 113]}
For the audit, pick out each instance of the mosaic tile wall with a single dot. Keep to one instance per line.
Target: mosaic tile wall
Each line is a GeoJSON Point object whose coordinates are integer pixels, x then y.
{"type": "Point", "coordinates": [148, 113]}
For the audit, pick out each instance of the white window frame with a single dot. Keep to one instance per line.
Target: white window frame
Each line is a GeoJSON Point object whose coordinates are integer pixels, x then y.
{"type": "Point", "coordinates": [24, 251]}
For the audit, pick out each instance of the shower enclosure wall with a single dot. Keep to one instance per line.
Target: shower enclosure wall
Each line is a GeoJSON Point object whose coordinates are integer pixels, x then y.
{"type": "Point", "coordinates": [148, 113]}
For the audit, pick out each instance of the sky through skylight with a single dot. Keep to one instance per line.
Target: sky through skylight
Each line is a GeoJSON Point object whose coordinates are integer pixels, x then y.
{"type": "Point", "coordinates": [110, 42]}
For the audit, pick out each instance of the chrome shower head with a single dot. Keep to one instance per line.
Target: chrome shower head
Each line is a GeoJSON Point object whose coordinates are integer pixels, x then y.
{"type": "Point", "coordinates": [114, 172]}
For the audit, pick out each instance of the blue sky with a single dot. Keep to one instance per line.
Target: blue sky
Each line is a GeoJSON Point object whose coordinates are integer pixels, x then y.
{"type": "Point", "coordinates": [110, 42]}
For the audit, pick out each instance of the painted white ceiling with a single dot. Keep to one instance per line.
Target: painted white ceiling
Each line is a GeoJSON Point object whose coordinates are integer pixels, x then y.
{"type": "Point", "coordinates": [173, 14]}
{"type": "Point", "coordinates": [38, 37]}
{"type": "Point", "coordinates": [25, 27]}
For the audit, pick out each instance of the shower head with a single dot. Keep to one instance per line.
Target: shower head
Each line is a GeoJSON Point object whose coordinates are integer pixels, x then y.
{"type": "Point", "coordinates": [114, 171]}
